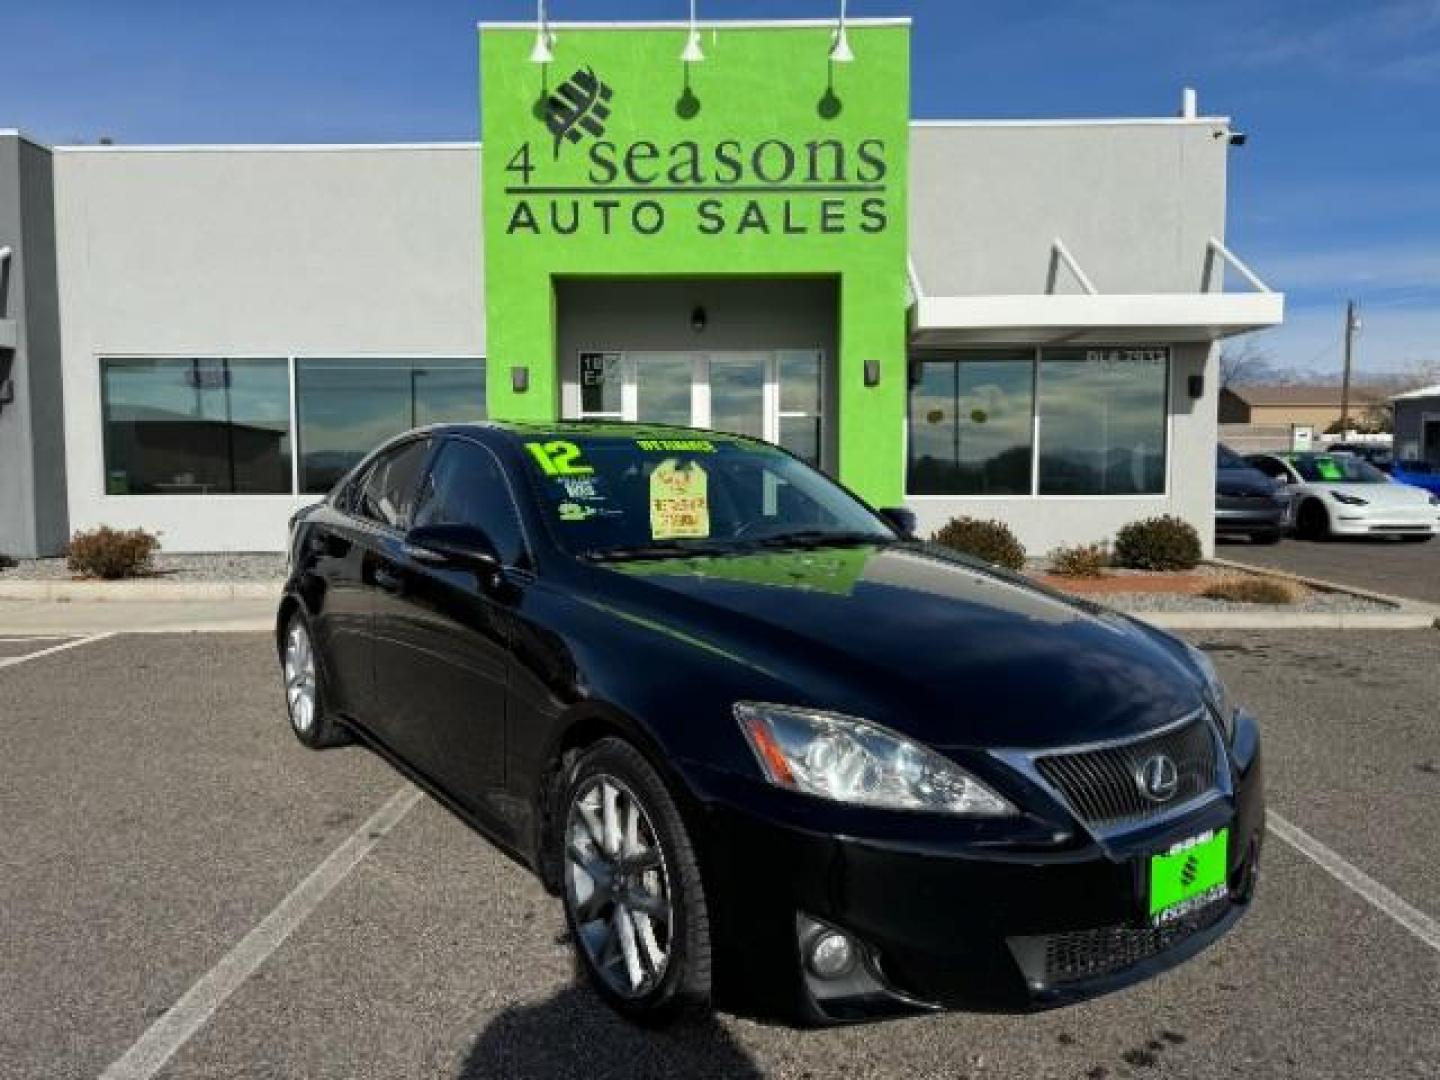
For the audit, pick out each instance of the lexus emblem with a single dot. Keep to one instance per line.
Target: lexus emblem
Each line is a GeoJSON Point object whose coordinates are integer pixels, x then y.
{"type": "Point", "coordinates": [1158, 778]}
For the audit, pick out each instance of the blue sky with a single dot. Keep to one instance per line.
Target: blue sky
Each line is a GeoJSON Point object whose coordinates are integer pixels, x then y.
{"type": "Point", "coordinates": [1336, 194]}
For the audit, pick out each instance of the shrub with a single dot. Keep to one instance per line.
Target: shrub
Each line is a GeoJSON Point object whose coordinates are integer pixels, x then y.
{"type": "Point", "coordinates": [1252, 590]}
{"type": "Point", "coordinates": [111, 553]}
{"type": "Point", "coordinates": [989, 540]}
{"type": "Point", "coordinates": [1080, 561]}
{"type": "Point", "coordinates": [1158, 543]}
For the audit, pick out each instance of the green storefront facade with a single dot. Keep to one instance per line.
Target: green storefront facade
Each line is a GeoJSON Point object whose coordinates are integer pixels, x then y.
{"type": "Point", "coordinates": [765, 162]}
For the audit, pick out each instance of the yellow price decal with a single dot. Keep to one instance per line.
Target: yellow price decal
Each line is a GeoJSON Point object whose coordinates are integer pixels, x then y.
{"type": "Point", "coordinates": [559, 458]}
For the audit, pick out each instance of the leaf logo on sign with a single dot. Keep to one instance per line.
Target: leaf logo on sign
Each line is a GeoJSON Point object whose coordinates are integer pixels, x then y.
{"type": "Point", "coordinates": [578, 107]}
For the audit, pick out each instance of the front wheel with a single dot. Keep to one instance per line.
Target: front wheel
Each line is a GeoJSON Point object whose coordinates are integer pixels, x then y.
{"type": "Point", "coordinates": [1313, 523]}
{"type": "Point", "coordinates": [634, 900]}
{"type": "Point", "coordinates": [304, 702]}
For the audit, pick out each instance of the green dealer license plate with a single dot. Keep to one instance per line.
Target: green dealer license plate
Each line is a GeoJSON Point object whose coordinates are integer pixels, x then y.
{"type": "Point", "coordinates": [1188, 876]}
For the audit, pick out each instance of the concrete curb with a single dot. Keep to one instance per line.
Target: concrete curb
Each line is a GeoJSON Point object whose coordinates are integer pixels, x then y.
{"type": "Point", "coordinates": [1284, 620]}
{"type": "Point", "coordinates": [146, 590]}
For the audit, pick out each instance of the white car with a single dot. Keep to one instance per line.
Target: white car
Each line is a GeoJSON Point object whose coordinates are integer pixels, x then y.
{"type": "Point", "coordinates": [1341, 495]}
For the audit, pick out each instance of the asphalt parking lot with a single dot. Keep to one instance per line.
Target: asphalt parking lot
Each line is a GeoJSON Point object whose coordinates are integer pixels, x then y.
{"type": "Point", "coordinates": [157, 812]}
{"type": "Point", "coordinates": [1383, 565]}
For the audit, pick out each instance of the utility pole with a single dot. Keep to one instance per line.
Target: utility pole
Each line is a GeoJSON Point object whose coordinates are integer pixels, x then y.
{"type": "Point", "coordinates": [1352, 323]}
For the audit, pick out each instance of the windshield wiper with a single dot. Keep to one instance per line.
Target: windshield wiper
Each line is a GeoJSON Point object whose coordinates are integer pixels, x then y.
{"type": "Point", "coordinates": [658, 549]}
{"type": "Point", "coordinates": [816, 538]}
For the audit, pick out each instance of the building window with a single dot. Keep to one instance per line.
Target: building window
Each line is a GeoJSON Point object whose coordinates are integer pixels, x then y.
{"type": "Point", "coordinates": [971, 423]}
{"type": "Point", "coordinates": [345, 408]}
{"type": "Point", "coordinates": [1095, 418]}
{"type": "Point", "coordinates": [196, 426]}
{"type": "Point", "coordinates": [1103, 419]}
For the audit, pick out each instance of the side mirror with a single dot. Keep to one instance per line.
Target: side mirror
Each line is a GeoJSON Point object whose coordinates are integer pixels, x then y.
{"type": "Point", "coordinates": [902, 518]}
{"type": "Point", "coordinates": [453, 545]}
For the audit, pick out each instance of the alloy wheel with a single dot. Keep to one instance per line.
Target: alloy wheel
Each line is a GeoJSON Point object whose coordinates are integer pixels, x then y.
{"type": "Point", "coordinates": [300, 678]}
{"type": "Point", "coordinates": [617, 887]}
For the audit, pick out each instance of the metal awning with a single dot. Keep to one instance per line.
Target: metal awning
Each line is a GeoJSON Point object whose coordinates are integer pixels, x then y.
{"type": "Point", "coordinates": [1093, 317]}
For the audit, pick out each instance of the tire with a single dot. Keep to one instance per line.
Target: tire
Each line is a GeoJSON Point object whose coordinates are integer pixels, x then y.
{"type": "Point", "coordinates": [304, 687]}
{"type": "Point", "coordinates": [618, 818]}
{"type": "Point", "coordinates": [1312, 522]}
{"type": "Point", "coordinates": [1417, 538]}
{"type": "Point", "coordinates": [1270, 537]}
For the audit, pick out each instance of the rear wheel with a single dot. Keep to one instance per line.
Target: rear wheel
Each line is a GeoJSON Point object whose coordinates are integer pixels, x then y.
{"type": "Point", "coordinates": [633, 896]}
{"type": "Point", "coordinates": [1270, 536]}
{"type": "Point", "coordinates": [1313, 523]}
{"type": "Point", "coordinates": [304, 702]}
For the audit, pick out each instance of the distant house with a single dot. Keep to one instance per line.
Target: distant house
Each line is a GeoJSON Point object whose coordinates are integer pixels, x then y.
{"type": "Point", "coordinates": [1288, 406]}
{"type": "Point", "coordinates": [1417, 424]}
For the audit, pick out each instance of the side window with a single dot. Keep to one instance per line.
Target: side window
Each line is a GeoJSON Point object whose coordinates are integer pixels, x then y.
{"type": "Point", "coordinates": [388, 494]}
{"type": "Point", "coordinates": [1270, 466]}
{"type": "Point", "coordinates": [467, 487]}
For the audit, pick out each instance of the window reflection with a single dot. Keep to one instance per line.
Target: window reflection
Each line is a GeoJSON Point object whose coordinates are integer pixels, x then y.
{"type": "Point", "coordinates": [1102, 421]}
{"type": "Point", "coordinates": [348, 407]}
{"type": "Point", "coordinates": [971, 426]}
{"type": "Point", "coordinates": [196, 426]}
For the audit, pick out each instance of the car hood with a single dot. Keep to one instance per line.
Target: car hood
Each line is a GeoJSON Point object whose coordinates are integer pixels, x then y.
{"type": "Point", "coordinates": [1232, 483]}
{"type": "Point", "coordinates": [1383, 496]}
{"type": "Point", "coordinates": [938, 647]}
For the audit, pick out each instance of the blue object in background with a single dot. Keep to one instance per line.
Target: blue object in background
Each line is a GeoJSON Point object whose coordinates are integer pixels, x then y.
{"type": "Point", "coordinates": [1419, 474]}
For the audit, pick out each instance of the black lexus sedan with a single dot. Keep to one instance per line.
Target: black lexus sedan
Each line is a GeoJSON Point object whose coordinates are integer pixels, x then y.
{"type": "Point", "coordinates": [770, 752]}
{"type": "Point", "coordinates": [1247, 502]}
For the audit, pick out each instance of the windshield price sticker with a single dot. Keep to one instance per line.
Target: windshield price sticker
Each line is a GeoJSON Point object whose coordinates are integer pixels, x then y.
{"type": "Point", "coordinates": [679, 502]}
{"type": "Point", "coordinates": [688, 446]}
{"type": "Point", "coordinates": [558, 457]}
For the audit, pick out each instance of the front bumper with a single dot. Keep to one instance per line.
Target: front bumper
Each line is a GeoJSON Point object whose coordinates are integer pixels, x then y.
{"type": "Point", "coordinates": [1010, 917]}
{"type": "Point", "coordinates": [1244, 516]}
{"type": "Point", "coordinates": [1358, 521]}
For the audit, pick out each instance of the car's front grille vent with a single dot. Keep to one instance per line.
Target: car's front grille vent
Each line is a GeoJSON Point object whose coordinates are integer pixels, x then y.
{"type": "Point", "coordinates": [1104, 786]}
{"type": "Point", "coordinates": [1079, 955]}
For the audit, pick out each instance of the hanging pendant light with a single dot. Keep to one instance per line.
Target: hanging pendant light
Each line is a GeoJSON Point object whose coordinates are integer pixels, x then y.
{"type": "Point", "coordinates": [693, 53]}
{"type": "Point", "coordinates": [540, 53]}
{"type": "Point", "coordinates": [840, 52]}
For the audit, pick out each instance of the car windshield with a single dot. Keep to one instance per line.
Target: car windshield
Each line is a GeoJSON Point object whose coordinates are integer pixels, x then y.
{"type": "Point", "coordinates": [653, 495]}
{"type": "Point", "coordinates": [1337, 469]}
{"type": "Point", "coordinates": [1225, 458]}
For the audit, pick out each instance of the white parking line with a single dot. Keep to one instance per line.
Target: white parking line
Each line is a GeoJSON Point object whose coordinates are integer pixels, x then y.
{"type": "Point", "coordinates": [1407, 915]}
{"type": "Point", "coordinates": [188, 1015]}
{"type": "Point", "coordinates": [11, 661]}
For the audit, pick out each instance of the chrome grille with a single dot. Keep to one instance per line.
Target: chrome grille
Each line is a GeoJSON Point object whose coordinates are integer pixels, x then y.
{"type": "Point", "coordinates": [1102, 787]}
{"type": "Point", "coordinates": [1079, 955]}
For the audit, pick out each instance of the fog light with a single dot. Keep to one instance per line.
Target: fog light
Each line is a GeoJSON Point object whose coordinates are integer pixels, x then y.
{"type": "Point", "coordinates": [831, 955]}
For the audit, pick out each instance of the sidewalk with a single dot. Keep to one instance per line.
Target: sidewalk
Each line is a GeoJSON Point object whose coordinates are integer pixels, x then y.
{"type": "Point", "coordinates": [35, 617]}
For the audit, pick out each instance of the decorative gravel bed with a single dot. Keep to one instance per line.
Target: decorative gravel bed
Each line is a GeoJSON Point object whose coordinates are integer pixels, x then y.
{"type": "Point", "coordinates": [1315, 603]}
{"type": "Point", "coordinates": [230, 567]}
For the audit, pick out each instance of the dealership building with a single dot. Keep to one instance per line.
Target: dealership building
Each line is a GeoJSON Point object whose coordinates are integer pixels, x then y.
{"type": "Point", "coordinates": [1006, 319]}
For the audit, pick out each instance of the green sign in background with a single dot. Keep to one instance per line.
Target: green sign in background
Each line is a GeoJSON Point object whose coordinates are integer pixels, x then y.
{"type": "Point", "coordinates": [763, 160]}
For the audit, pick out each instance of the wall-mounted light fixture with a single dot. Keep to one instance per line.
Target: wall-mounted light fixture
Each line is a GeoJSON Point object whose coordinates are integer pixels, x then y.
{"type": "Point", "coordinates": [840, 52]}
{"type": "Point", "coordinates": [698, 319]}
{"type": "Point", "coordinates": [544, 39]}
{"type": "Point", "coordinates": [693, 54]}
{"type": "Point", "coordinates": [520, 379]}
{"type": "Point", "coordinates": [872, 372]}
{"type": "Point", "coordinates": [1196, 386]}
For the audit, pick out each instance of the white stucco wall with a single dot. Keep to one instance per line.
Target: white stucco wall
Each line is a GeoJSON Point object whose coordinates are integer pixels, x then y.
{"type": "Point", "coordinates": [253, 252]}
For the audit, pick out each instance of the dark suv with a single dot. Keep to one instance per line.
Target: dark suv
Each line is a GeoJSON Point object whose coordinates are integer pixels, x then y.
{"type": "Point", "coordinates": [1247, 502]}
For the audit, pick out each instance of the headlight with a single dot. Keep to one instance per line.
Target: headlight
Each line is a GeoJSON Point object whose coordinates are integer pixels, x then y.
{"type": "Point", "coordinates": [1216, 696]}
{"type": "Point", "coordinates": [1348, 499]}
{"type": "Point", "coordinates": [851, 761]}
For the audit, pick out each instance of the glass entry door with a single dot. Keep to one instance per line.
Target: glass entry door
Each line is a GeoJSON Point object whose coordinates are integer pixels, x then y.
{"type": "Point", "coordinates": [769, 394]}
